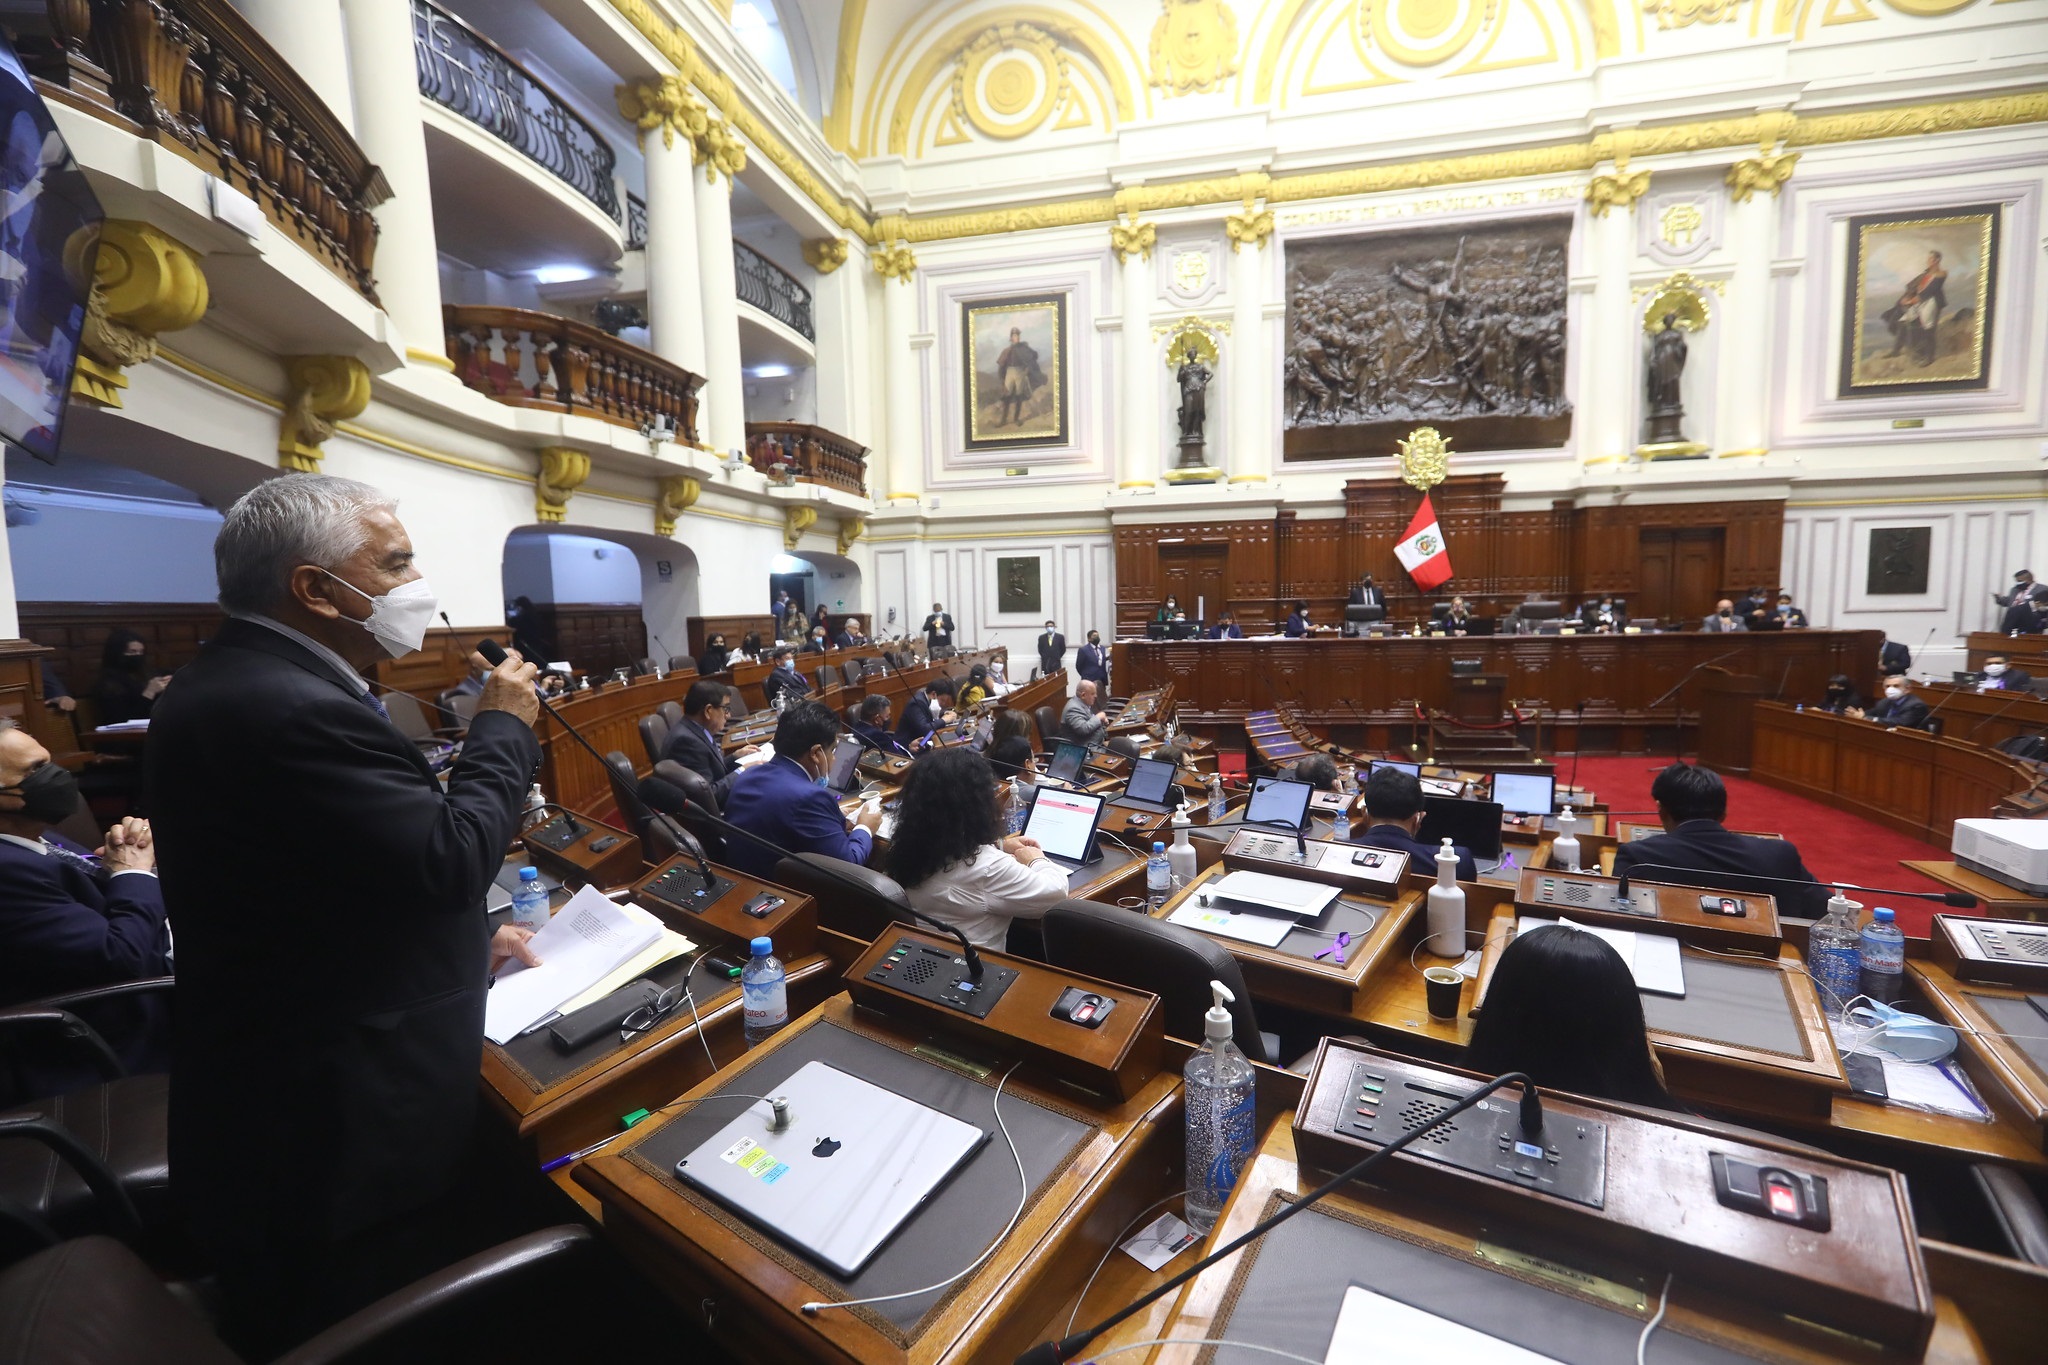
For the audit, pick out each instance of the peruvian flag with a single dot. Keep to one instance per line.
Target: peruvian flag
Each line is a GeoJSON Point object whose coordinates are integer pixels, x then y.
{"type": "Point", "coordinates": [1422, 551]}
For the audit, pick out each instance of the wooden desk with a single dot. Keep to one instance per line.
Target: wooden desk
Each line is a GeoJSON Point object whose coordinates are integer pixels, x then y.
{"type": "Point", "coordinates": [2009, 1071]}
{"type": "Point", "coordinates": [609, 719]}
{"type": "Point", "coordinates": [1905, 780]}
{"type": "Point", "coordinates": [1999, 900]}
{"type": "Point", "coordinates": [2025, 651]}
{"type": "Point", "coordinates": [1985, 718]}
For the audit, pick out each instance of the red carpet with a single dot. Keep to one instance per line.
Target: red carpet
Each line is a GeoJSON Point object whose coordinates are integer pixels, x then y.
{"type": "Point", "coordinates": [1833, 844]}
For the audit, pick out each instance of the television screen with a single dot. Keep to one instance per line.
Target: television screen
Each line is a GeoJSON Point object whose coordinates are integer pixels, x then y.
{"type": "Point", "coordinates": [49, 240]}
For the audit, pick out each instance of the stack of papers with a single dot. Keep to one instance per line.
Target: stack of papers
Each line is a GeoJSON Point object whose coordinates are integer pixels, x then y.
{"type": "Point", "coordinates": [1264, 930]}
{"type": "Point", "coordinates": [1288, 895]}
{"type": "Point", "coordinates": [762, 755]}
{"type": "Point", "coordinates": [587, 942]}
{"type": "Point", "coordinates": [1652, 958]}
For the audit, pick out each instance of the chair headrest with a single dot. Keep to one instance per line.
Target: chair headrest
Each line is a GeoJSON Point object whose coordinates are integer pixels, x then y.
{"type": "Point", "coordinates": [880, 903]}
{"type": "Point", "coordinates": [1173, 962]}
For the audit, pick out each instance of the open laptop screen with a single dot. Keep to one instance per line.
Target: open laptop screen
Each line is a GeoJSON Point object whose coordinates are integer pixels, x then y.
{"type": "Point", "coordinates": [1471, 825]}
{"type": "Point", "coordinates": [1412, 769]}
{"type": "Point", "coordinates": [1067, 758]}
{"type": "Point", "coordinates": [1279, 802]}
{"type": "Point", "coordinates": [1150, 780]}
{"type": "Point", "coordinates": [1063, 822]}
{"type": "Point", "coordinates": [1524, 793]}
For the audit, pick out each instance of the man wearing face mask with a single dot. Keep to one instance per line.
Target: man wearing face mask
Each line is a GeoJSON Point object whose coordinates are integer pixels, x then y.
{"type": "Point", "coordinates": [785, 802]}
{"type": "Point", "coordinates": [2001, 676]}
{"type": "Point", "coordinates": [71, 919]}
{"type": "Point", "coordinates": [1052, 651]}
{"type": "Point", "coordinates": [1091, 661]}
{"type": "Point", "coordinates": [1724, 619]}
{"type": "Point", "coordinates": [2023, 605]}
{"type": "Point", "coordinates": [333, 951]}
{"type": "Point", "coordinates": [1900, 709]}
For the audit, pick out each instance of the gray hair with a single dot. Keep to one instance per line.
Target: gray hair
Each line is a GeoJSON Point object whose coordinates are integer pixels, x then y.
{"type": "Point", "coordinates": [283, 523]}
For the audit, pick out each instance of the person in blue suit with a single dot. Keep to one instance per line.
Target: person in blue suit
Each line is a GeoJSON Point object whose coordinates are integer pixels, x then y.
{"type": "Point", "coordinates": [1297, 621]}
{"type": "Point", "coordinates": [1226, 628]}
{"type": "Point", "coordinates": [71, 920]}
{"type": "Point", "coordinates": [781, 801]}
{"type": "Point", "coordinates": [873, 725]}
{"type": "Point", "coordinates": [1393, 814]}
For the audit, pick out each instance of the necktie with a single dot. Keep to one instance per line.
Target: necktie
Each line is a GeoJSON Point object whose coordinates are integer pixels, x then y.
{"type": "Point", "coordinates": [369, 699]}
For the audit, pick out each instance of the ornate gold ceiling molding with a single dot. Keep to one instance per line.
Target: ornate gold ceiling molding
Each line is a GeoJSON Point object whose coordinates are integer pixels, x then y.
{"type": "Point", "coordinates": [845, 75]}
{"type": "Point", "coordinates": [940, 58]}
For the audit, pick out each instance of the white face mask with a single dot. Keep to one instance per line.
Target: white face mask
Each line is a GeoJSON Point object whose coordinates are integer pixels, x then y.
{"type": "Point", "coordinates": [1994, 670]}
{"type": "Point", "coordinates": [399, 619]}
{"type": "Point", "coordinates": [1895, 692]}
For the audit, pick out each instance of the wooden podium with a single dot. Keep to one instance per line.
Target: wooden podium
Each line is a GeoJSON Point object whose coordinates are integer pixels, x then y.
{"type": "Point", "coordinates": [1476, 698]}
{"type": "Point", "coordinates": [1726, 724]}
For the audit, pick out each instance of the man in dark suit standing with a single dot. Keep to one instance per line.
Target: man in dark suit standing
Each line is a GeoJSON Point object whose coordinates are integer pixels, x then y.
{"type": "Point", "coordinates": [1091, 661]}
{"type": "Point", "coordinates": [1392, 801]}
{"type": "Point", "coordinates": [322, 1095]}
{"type": "Point", "coordinates": [2023, 606]}
{"type": "Point", "coordinates": [938, 629]}
{"type": "Point", "coordinates": [1892, 657]}
{"type": "Point", "coordinates": [1692, 803]}
{"type": "Point", "coordinates": [70, 920]}
{"type": "Point", "coordinates": [695, 743]}
{"type": "Point", "coordinates": [1367, 594]}
{"type": "Point", "coordinates": [1052, 651]}
{"type": "Point", "coordinates": [781, 801]}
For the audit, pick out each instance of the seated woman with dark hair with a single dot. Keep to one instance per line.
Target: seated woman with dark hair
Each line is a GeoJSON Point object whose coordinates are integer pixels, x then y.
{"type": "Point", "coordinates": [1841, 695]}
{"type": "Point", "coordinates": [1563, 1009]}
{"type": "Point", "coordinates": [716, 658]}
{"type": "Point", "coordinates": [1010, 756]}
{"type": "Point", "coordinates": [951, 857]}
{"type": "Point", "coordinates": [1013, 724]}
{"type": "Point", "coordinates": [974, 691]}
{"type": "Point", "coordinates": [128, 686]}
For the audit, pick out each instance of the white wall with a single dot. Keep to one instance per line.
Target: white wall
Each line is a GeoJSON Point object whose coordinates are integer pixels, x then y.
{"type": "Point", "coordinates": [590, 570]}
{"type": "Point", "coordinates": [89, 548]}
{"type": "Point", "coordinates": [1076, 578]}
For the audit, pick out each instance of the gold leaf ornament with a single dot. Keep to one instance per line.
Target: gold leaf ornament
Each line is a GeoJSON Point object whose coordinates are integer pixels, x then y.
{"type": "Point", "coordinates": [1194, 46]}
{"type": "Point", "coordinates": [1425, 459]}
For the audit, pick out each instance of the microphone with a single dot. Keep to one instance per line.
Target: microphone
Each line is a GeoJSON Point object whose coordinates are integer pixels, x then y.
{"type": "Point", "coordinates": [1300, 838]}
{"type": "Point", "coordinates": [655, 790]}
{"type": "Point", "coordinates": [1066, 1348]}
{"type": "Point", "coordinates": [399, 691]}
{"type": "Point", "coordinates": [1962, 899]}
{"type": "Point", "coordinates": [1929, 640]}
{"type": "Point", "coordinates": [2016, 696]}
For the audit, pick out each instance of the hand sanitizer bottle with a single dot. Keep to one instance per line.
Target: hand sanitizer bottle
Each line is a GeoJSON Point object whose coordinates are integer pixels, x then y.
{"type": "Point", "coordinates": [1218, 803]}
{"type": "Point", "coordinates": [1181, 857]}
{"type": "Point", "coordinates": [1447, 906]}
{"type": "Point", "coordinates": [1218, 1084]}
{"type": "Point", "coordinates": [1564, 850]}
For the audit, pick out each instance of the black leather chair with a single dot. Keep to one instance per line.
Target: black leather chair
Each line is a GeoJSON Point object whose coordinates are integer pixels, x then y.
{"type": "Point", "coordinates": [670, 712]}
{"type": "Point", "coordinates": [701, 793]}
{"type": "Point", "coordinates": [736, 707]}
{"type": "Point", "coordinates": [120, 1126]}
{"type": "Point", "coordinates": [681, 663]}
{"type": "Point", "coordinates": [1172, 962]}
{"type": "Point", "coordinates": [865, 913]}
{"type": "Point", "coordinates": [2015, 1209]}
{"type": "Point", "coordinates": [1125, 745]}
{"type": "Point", "coordinates": [657, 841]}
{"type": "Point", "coordinates": [825, 677]}
{"type": "Point", "coordinates": [854, 672]}
{"type": "Point", "coordinates": [653, 736]}
{"type": "Point", "coordinates": [92, 1299]}
{"type": "Point", "coordinates": [644, 667]}
{"type": "Point", "coordinates": [1048, 725]}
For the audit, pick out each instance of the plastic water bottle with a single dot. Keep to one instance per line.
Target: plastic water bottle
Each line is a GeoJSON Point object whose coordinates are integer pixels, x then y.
{"type": "Point", "coordinates": [1447, 906]}
{"type": "Point", "coordinates": [1218, 803]}
{"type": "Point", "coordinates": [1015, 809]}
{"type": "Point", "coordinates": [530, 901]}
{"type": "Point", "coordinates": [1834, 954]}
{"type": "Point", "coordinates": [1181, 857]}
{"type": "Point", "coordinates": [1218, 1093]}
{"type": "Point", "coordinates": [1158, 876]}
{"type": "Point", "coordinates": [1564, 849]}
{"type": "Point", "coordinates": [764, 992]}
{"type": "Point", "coordinates": [1884, 957]}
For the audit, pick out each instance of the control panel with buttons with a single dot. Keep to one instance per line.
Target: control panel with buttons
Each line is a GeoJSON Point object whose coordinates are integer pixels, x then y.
{"type": "Point", "coordinates": [941, 977]}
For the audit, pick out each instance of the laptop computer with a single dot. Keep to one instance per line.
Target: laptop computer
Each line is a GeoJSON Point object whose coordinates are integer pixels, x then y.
{"type": "Point", "coordinates": [1063, 822]}
{"type": "Point", "coordinates": [1068, 758]}
{"type": "Point", "coordinates": [1276, 801]}
{"type": "Point", "coordinates": [1471, 825]}
{"type": "Point", "coordinates": [1412, 769]}
{"type": "Point", "coordinates": [852, 1167]}
{"type": "Point", "coordinates": [1525, 793]}
{"type": "Point", "coordinates": [1149, 787]}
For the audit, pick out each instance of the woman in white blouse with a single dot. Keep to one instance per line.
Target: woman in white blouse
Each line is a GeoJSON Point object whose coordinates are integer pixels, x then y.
{"type": "Point", "coordinates": [949, 852]}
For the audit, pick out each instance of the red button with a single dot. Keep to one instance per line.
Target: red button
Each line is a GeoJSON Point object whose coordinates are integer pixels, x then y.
{"type": "Point", "coordinates": [1783, 1202]}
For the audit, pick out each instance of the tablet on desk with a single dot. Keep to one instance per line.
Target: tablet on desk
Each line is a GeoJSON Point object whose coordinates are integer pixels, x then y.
{"type": "Point", "coordinates": [1525, 793]}
{"type": "Point", "coordinates": [1063, 822]}
{"type": "Point", "coordinates": [1068, 758]}
{"type": "Point", "coordinates": [1277, 801]}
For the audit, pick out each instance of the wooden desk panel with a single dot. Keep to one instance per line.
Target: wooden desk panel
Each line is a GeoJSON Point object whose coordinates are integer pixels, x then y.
{"type": "Point", "coordinates": [1985, 718]}
{"type": "Point", "coordinates": [609, 719]}
{"type": "Point", "coordinates": [2025, 651]}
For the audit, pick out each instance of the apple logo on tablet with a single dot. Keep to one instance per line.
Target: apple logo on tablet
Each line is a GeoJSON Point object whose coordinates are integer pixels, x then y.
{"type": "Point", "coordinates": [825, 1147]}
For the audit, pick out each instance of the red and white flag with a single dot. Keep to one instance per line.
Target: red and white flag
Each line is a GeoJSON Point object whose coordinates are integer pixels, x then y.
{"type": "Point", "coordinates": [1422, 551]}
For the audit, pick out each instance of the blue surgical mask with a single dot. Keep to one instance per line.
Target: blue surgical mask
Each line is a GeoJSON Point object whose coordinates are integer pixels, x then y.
{"type": "Point", "coordinates": [823, 779]}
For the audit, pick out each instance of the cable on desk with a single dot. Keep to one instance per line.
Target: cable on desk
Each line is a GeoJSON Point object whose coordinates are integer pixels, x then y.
{"type": "Point", "coordinates": [1023, 1196]}
{"type": "Point", "coordinates": [1114, 1243]}
{"type": "Point", "coordinates": [1663, 1302]}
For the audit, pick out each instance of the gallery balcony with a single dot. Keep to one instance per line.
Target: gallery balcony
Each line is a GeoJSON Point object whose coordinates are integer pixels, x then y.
{"type": "Point", "coordinates": [194, 77]}
{"type": "Point", "coordinates": [498, 136]}
{"type": "Point", "coordinates": [535, 360]}
{"type": "Point", "coordinates": [797, 452]}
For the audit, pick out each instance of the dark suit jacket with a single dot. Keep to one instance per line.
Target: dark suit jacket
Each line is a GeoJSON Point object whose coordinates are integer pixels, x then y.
{"type": "Point", "coordinates": [1907, 712]}
{"type": "Point", "coordinates": [1718, 857]}
{"type": "Point", "coordinates": [1052, 651]}
{"type": "Point", "coordinates": [61, 930]}
{"type": "Point", "coordinates": [778, 801]}
{"type": "Point", "coordinates": [1297, 624]}
{"type": "Point", "coordinates": [1894, 658]}
{"type": "Point", "coordinates": [784, 680]}
{"type": "Point", "coordinates": [938, 630]}
{"type": "Point", "coordinates": [690, 745]}
{"type": "Point", "coordinates": [1092, 662]}
{"type": "Point", "coordinates": [920, 716]}
{"type": "Point", "coordinates": [1421, 856]}
{"type": "Point", "coordinates": [2012, 680]}
{"type": "Point", "coordinates": [880, 738]}
{"type": "Point", "coordinates": [1362, 596]}
{"type": "Point", "coordinates": [332, 946]}
{"type": "Point", "coordinates": [1233, 631]}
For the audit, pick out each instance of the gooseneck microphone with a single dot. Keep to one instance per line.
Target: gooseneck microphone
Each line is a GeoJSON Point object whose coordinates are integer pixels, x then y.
{"type": "Point", "coordinates": [1066, 1348]}
{"type": "Point", "coordinates": [1962, 899]}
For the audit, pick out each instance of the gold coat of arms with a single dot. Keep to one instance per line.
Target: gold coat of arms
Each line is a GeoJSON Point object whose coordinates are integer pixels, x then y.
{"type": "Point", "coordinates": [1425, 459]}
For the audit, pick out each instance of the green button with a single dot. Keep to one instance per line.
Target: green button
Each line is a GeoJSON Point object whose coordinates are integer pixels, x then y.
{"type": "Point", "coordinates": [1376, 1089]}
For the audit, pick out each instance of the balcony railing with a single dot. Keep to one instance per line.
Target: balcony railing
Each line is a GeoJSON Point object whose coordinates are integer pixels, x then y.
{"type": "Point", "coordinates": [797, 452]}
{"type": "Point", "coordinates": [769, 288]}
{"type": "Point", "coordinates": [468, 74]}
{"type": "Point", "coordinates": [194, 77]}
{"type": "Point", "coordinates": [636, 221]}
{"type": "Point", "coordinates": [534, 360]}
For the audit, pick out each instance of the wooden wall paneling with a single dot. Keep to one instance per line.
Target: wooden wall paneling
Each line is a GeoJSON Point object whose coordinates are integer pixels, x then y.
{"type": "Point", "coordinates": [596, 637]}
{"type": "Point", "coordinates": [701, 628]}
{"type": "Point", "coordinates": [76, 632]}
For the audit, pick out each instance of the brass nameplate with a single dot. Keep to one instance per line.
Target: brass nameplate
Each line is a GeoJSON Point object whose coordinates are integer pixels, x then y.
{"type": "Point", "coordinates": [1908, 423]}
{"type": "Point", "coordinates": [1568, 1277]}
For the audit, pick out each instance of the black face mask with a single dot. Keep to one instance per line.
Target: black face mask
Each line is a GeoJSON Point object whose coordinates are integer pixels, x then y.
{"type": "Point", "coordinates": [1726, 614]}
{"type": "Point", "coordinates": [48, 795]}
{"type": "Point", "coordinates": [134, 663]}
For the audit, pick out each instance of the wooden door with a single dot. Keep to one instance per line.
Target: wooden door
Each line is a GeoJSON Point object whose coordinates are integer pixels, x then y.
{"type": "Point", "coordinates": [1678, 572]}
{"type": "Point", "coordinates": [1195, 575]}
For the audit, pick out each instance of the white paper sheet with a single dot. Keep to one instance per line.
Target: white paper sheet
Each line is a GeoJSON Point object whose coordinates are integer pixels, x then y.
{"type": "Point", "coordinates": [1372, 1327]}
{"type": "Point", "coordinates": [1289, 895]}
{"type": "Point", "coordinates": [761, 755]}
{"type": "Point", "coordinates": [669, 946]}
{"type": "Point", "coordinates": [1161, 1240]}
{"type": "Point", "coordinates": [1927, 1085]}
{"type": "Point", "coordinates": [1265, 930]}
{"type": "Point", "coordinates": [585, 942]}
{"type": "Point", "coordinates": [1652, 958]}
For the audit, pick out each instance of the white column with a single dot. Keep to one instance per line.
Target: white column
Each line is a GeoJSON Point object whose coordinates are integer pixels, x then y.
{"type": "Point", "coordinates": [1138, 454]}
{"type": "Point", "coordinates": [675, 290]}
{"type": "Point", "coordinates": [1250, 454]}
{"type": "Point", "coordinates": [311, 38]}
{"type": "Point", "coordinates": [1744, 348]}
{"type": "Point", "coordinates": [1617, 341]}
{"type": "Point", "coordinates": [724, 388]}
{"type": "Point", "coordinates": [839, 308]}
{"type": "Point", "coordinates": [899, 472]}
{"type": "Point", "coordinates": [387, 102]}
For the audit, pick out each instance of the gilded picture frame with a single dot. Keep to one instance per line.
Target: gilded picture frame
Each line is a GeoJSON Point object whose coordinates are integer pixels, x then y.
{"type": "Point", "coordinates": [1921, 302]}
{"type": "Point", "coordinates": [1014, 353]}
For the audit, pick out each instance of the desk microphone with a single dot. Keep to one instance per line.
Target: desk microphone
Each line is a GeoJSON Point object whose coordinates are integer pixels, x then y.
{"type": "Point", "coordinates": [653, 789]}
{"type": "Point", "coordinates": [1298, 831]}
{"type": "Point", "coordinates": [1962, 899]}
{"type": "Point", "coordinates": [456, 716]}
{"type": "Point", "coordinates": [1066, 1348]}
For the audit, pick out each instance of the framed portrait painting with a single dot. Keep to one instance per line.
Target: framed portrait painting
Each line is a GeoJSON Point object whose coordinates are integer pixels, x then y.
{"type": "Point", "coordinates": [1017, 585]}
{"type": "Point", "coordinates": [1016, 371]}
{"type": "Point", "coordinates": [1920, 302]}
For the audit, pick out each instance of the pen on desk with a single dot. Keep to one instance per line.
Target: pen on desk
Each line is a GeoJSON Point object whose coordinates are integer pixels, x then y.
{"type": "Point", "coordinates": [577, 1155]}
